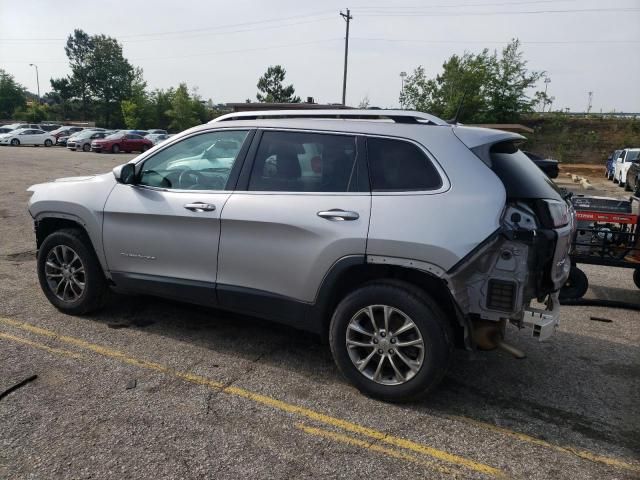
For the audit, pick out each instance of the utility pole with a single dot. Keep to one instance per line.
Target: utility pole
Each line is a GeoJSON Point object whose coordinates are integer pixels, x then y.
{"type": "Point", "coordinates": [590, 102]}
{"type": "Point", "coordinates": [547, 81]}
{"type": "Point", "coordinates": [403, 75]}
{"type": "Point", "coordinates": [37, 79]}
{"type": "Point", "coordinates": [347, 17]}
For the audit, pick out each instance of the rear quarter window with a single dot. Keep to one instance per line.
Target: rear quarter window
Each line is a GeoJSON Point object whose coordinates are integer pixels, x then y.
{"type": "Point", "coordinates": [398, 165]}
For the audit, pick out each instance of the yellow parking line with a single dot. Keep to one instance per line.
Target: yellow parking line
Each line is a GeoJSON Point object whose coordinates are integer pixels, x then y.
{"type": "Point", "coordinates": [265, 400]}
{"type": "Point", "coordinates": [59, 351]}
{"type": "Point", "coordinates": [593, 457]}
{"type": "Point", "coordinates": [390, 452]}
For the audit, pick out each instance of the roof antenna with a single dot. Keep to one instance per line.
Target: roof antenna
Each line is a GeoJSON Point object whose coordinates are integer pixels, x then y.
{"type": "Point", "coordinates": [454, 120]}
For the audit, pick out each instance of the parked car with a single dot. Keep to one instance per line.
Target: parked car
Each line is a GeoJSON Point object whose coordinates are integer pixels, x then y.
{"type": "Point", "coordinates": [633, 179]}
{"type": "Point", "coordinates": [121, 141]}
{"type": "Point", "coordinates": [142, 133]}
{"type": "Point", "coordinates": [49, 127]}
{"type": "Point", "coordinates": [82, 140]}
{"type": "Point", "coordinates": [5, 130]}
{"type": "Point", "coordinates": [611, 163]}
{"type": "Point", "coordinates": [396, 240]}
{"type": "Point", "coordinates": [157, 137]}
{"type": "Point", "coordinates": [65, 131]}
{"type": "Point", "coordinates": [62, 141]}
{"type": "Point", "coordinates": [20, 126]}
{"type": "Point", "coordinates": [623, 162]}
{"type": "Point", "coordinates": [157, 131]}
{"type": "Point", "coordinates": [548, 165]}
{"type": "Point", "coordinates": [27, 136]}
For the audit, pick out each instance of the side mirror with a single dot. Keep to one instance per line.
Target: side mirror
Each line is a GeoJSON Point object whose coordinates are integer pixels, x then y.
{"type": "Point", "coordinates": [125, 174]}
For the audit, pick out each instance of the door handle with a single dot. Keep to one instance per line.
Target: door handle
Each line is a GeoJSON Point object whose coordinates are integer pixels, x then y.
{"type": "Point", "coordinates": [200, 207]}
{"type": "Point", "coordinates": [338, 215]}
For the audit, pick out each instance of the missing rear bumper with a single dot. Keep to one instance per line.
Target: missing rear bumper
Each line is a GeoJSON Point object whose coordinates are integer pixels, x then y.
{"type": "Point", "coordinates": [543, 323]}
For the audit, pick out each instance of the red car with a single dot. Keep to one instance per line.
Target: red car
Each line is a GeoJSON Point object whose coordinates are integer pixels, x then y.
{"type": "Point", "coordinates": [121, 142]}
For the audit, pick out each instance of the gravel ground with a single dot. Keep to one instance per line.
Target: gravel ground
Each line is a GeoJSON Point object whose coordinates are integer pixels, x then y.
{"type": "Point", "coordinates": [153, 389]}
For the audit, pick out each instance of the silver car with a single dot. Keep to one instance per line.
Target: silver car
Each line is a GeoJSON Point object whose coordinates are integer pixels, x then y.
{"type": "Point", "coordinates": [394, 234]}
{"type": "Point", "coordinates": [82, 140]}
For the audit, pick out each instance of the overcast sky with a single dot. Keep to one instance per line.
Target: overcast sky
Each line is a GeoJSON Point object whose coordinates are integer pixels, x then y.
{"type": "Point", "coordinates": [222, 47]}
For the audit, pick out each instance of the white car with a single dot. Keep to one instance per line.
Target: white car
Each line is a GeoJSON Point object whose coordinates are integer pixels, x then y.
{"type": "Point", "coordinates": [624, 161]}
{"type": "Point", "coordinates": [27, 136]}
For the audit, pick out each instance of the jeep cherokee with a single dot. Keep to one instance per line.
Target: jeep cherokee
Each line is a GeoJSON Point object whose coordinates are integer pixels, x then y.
{"type": "Point", "coordinates": [392, 233]}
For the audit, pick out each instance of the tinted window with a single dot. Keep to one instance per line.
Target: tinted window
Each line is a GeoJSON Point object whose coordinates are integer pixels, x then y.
{"type": "Point", "coordinates": [304, 162]}
{"type": "Point", "coordinates": [398, 165]}
{"type": "Point", "coordinates": [201, 162]}
{"type": "Point", "coordinates": [133, 136]}
{"type": "Point", "coordinates": [521, 177]}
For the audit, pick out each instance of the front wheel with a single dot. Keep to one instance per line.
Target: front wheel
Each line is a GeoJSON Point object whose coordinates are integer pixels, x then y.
{"type": "Point", "coordinates": [115, 149]}
{"type": "Point", "coordinates": [48, 142]}
{"type": "Point", "coordinates": [391, 341]}
{"type": "Point", "coordinates": [15, 142]}
{"type": "Point", "coordinates": [69, 272]}
{"type": "Point", "coordinates": [86, 147]}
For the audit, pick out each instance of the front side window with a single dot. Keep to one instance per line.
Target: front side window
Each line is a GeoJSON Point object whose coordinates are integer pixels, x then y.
{"type": "Point", "coordinates": [396, 165]}
{"type": "Point", "coordinates": [200, 162]}
{"type": "Point", "coordinates": [304, 162]}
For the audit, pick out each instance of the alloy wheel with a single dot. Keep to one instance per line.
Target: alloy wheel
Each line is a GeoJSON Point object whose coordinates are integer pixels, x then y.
{"type": "Point", "coordinates": [65, 273]}
{"type": "Point", "coordinates": [385, 345]}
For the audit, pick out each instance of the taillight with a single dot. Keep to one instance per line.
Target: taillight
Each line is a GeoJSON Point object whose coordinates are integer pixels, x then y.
{"type": "Point", "coordinates": [558, 212]}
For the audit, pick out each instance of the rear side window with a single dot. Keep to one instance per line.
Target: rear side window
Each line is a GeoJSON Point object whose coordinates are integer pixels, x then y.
{"type": "Point", "coordinates": [396, 165]}
{"type": "Point", "coordinates": [304, 162]}
{"type": "Point", "coordinates": [521, 177]}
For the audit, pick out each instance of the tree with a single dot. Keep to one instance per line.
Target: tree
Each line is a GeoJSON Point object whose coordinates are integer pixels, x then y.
{"type": "Point", "coordinates": [271, 88]}
{"type": "Point", "coordinates": [364, 103]}
{"type": "Point", "coordinates": [494, 87]}
{"type": "Point", "coordinates": [111, 76]}
{"type": "Point", "coordinates": [62, 92]}
{"type": "Point", "coordinates": [79, 49]}
{"type": "Point", "coordinates": [181, 112]}
{"type": "Point", "coordinates": [137, 109]}
{"type": "Point", "coordinates": [12, 95]}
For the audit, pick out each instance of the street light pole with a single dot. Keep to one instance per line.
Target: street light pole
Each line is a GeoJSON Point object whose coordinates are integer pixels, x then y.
{"type": "Point", "coordinates": [402, 77]}
{"type": "Point", "coordinates": [547, 81]}
{"type": "Point", "coordinates": [37, 79]}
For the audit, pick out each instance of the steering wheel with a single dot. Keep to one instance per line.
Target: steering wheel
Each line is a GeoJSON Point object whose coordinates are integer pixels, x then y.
{"type": "Point", "coordinates": [194, 176]}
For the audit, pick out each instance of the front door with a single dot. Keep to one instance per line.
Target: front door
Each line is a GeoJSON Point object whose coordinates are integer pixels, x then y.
{"type": "Point", "coordinates": [299, 213]}
{"type": "Point", "coordinates": [161, 235]}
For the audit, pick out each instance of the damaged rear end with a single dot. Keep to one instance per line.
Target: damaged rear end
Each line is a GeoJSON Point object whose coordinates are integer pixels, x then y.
{"type": "Point", "coordinates": [526, 261]}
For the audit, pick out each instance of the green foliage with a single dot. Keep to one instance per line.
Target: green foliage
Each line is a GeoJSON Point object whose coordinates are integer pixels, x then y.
{"type": "Point", "coordinates": [12, 95]}
{"type": "Point", "coordinates": [34, 113]}
{"type": "Point", "coordinates": [271, 88]}
{"type": "Point", "coordinates": [182, 113]}
{"type": "Point", "coordinates": [495, 87]}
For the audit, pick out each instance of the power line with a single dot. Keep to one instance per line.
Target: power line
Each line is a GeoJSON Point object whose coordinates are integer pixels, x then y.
{"type": "Point", "coordinates": [483, 42]}
{"type": "Point", "coordinates": [423, 13]}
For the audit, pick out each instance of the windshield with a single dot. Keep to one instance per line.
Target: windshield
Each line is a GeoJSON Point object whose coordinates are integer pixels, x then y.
{"type": "Point", "coordinates": [632, 156]}
{"type": "Point", "coordinates": [114, 136]}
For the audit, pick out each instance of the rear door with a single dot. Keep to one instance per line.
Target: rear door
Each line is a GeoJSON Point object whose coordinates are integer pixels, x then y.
{"type": "Point", "coordinates": [299, 208]}
{"type": "Point", "coordinates": [161, 235]}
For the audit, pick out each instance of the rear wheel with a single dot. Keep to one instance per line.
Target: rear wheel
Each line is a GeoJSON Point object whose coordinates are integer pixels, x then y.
{"type": "Point", "coordinates": [15, 142]}
{"type": "Point", "coordinates": [115, 149]}
{"type": "Point", "coordinates": [391, 341]}
{"type": "Point", "coordinates": [86, 147]}
{"type": "Point", "coordinates": [576, 285]}
{"type": "Point", "coordinates": [69, 272]}
{"type": "Point", "coordinates": [48, 142]}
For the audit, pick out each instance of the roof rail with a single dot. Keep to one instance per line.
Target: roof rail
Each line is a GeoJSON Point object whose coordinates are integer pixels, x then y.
{"type": "Point", "coordinates": [398, 116]}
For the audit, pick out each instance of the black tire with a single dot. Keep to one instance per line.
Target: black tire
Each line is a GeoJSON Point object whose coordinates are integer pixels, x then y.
{"type": "Point", "coordinates": [144, 149]}
{"type": "Point", "coordinates": [615, 180]}
{"type": "Point", "coordinates": [15, 142]}
{"type": "Point", "coordinates": [430, 321]}
{"type": "Point", "coordinates": [86, 147]}
{"type": "Point", "coordinates": [636, 277]}
{"type": "Point", "coordinates": [576, 286]}
{"type": "Point", "coordinates": [627, 187]}
{"type": "Point", "coordinates": [48, 142]}
{"type": "Point", "coordinates": [95, 289]}
{"type": "Point", "coordinates": [115, 149]}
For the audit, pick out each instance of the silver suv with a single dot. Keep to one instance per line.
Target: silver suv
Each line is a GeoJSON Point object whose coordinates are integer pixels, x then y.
{"type": "Point", "coordinates": [392, 233]}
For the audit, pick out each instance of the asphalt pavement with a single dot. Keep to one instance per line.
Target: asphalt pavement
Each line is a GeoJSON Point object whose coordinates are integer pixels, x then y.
{"type": "Point", "coordinates": [152, 389]}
